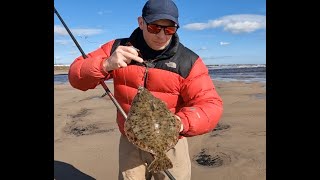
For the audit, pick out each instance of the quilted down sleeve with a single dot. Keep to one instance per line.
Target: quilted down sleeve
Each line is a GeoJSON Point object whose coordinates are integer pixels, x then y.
{"type": "Point", "coordinates": [87, 73]}
{"type": "Point", "coordinates": [203, 106]}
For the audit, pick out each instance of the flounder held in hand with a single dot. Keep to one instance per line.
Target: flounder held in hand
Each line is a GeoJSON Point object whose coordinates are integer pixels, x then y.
{"type": "Point", "coordinates": [152, 127]}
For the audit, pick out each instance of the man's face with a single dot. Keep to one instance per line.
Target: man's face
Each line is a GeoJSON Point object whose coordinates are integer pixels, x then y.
{"type": "Point", "coordinates": [156, 41]}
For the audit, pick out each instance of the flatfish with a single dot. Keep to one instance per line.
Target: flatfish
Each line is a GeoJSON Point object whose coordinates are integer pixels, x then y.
{"type": "Point", "coordinates": [152, 127]}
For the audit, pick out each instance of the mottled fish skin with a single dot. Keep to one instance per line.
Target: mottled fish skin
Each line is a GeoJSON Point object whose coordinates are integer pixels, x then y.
{"type": "Point", "coordinates": [152, 127]}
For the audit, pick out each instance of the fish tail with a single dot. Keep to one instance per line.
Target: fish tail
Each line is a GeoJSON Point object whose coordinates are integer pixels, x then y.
{"type": "Point", "coordinates": [160, 163]}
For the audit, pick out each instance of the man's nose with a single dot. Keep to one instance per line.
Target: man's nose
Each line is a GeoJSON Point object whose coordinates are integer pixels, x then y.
{"type": "Point", "coordinates": [161, 34]}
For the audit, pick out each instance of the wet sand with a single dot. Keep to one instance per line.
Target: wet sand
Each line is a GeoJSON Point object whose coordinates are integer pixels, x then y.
{"type": "Point", "coordinates": [86, 136]}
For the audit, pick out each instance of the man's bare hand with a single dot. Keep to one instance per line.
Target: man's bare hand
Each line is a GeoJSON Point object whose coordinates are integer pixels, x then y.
{"type": "Point", "coordinates": [121, 57]}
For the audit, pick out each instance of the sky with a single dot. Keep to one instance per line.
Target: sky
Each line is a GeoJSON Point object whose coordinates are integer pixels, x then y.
{"type": "Point", "coordinates": [219, 31]}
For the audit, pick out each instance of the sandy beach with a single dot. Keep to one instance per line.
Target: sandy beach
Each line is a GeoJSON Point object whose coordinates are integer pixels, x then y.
{"type": "Point", "coordinates": [86, 135]}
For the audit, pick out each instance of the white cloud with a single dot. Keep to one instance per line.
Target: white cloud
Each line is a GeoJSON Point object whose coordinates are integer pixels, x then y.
{"type": "Point", "coordinates": [196, 26]}
{"type": "Point", "coordinates": [202, 48]}
{"type": "Point", "coordinates": [63, 42]}
{"type": "Point", "coordinates": [241, 23]}
{"type": "Point", "coordinates": [104, 12]}
{"type": "Point", "coordinates": [73, 52]}
{"type": "Point", "coordinates": [224, 43]}
{"type": "Point", "coordinates": [216, 57]}
{"type": "Point", "coordinates": [60, 30]}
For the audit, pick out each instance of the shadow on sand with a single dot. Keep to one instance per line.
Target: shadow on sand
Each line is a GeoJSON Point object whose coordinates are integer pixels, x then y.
{"type": "Point", "coordinates": [65, 171]}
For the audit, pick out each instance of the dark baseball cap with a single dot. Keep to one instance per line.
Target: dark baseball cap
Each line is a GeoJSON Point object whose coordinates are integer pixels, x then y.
{"type": "Point", "coordinates": [160, 9]}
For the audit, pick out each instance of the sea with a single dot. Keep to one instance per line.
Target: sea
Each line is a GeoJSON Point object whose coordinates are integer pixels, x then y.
{"type": "Point", "coordinates": [222, 72]}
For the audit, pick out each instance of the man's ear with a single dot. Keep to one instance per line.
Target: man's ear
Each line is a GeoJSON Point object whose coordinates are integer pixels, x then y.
{"type": "Point", "coordinates": [140, 22]}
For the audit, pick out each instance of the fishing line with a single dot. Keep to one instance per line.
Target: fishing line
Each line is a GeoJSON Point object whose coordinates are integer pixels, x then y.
{"type": "Point", "coordinates": [105, 87]}
{"type": "Point", "coordinates": [86, 39]}
{"type": "Point", "coordinates": [108, 92]}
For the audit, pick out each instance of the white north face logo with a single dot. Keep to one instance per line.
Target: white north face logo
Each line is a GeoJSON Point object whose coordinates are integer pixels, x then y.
{"type": "Point", "coordinates": [171, 64]}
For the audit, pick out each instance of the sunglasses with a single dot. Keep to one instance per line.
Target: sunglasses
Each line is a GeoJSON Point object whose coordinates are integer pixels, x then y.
{"type": "Point", "coordinates": [155, 29]}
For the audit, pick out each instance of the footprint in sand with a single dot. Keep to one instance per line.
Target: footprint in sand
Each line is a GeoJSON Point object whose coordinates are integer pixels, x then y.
{"type": "Point", "coordinates": [220, 128]}
{"type": "Point", "coordinates": [215, 157]}
{"type": "Point", "coordinates": [90, 129]}
{"type": "Point", "coordinates": [82, 113]}
{"type": "Point", "coordinates": [78, 127]}
{"type": "Point", "coordinates": [91, 98]}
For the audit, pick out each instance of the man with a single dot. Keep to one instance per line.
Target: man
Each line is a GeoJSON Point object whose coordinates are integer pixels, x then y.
{"type": "Point", "coordinates": [175, 74]}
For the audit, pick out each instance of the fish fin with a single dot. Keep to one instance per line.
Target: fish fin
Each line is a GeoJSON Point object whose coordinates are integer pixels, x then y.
{"type": "Point", "coordinates": [160, 163]}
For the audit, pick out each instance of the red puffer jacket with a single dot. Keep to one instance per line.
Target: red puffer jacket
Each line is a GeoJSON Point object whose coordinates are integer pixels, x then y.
{"type": "Point", "coordinates": [182, 81]}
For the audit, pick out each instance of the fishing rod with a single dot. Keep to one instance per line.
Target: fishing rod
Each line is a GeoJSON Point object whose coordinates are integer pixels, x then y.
{"type": "Point", "coordinates": [105, 87]}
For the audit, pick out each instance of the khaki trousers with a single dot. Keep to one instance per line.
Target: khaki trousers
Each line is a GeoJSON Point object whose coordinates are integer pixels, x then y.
{"type": "Point", "coordinates": [133, 162]}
